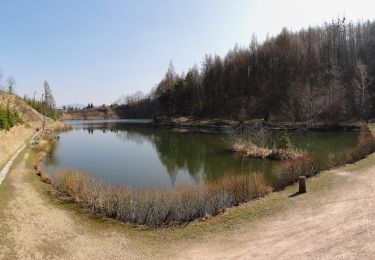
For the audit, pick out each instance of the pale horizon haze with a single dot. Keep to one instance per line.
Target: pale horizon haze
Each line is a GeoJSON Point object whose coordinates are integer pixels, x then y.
{"type": "Point", "coordinates": [96, 51]}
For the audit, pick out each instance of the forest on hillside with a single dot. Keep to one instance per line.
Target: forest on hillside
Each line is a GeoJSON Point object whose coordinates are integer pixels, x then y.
{"type": "Point", "coordinates": [324, 73]}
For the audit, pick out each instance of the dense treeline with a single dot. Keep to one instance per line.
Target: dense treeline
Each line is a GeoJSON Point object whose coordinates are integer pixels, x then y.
{"type": "Point", "coordinates": [143, 109]}
{"type": "Point", "coordinates": [323, 74]}
{"type": "Point", "coordinates": [137, 105]}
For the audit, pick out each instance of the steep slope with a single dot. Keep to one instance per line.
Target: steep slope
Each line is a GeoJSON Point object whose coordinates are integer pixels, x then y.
{"type": "Point", "coordinates": [29, 114]}
{"type": "Point", "coordinates": [13, 139]}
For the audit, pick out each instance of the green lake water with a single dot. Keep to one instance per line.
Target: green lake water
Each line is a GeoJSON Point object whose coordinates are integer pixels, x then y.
{"type": "Point", "coordinates": [123, 153]}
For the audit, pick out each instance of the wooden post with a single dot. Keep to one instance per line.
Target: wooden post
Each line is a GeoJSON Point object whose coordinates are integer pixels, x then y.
{"type": "Point", "coordinates": [302, 184]}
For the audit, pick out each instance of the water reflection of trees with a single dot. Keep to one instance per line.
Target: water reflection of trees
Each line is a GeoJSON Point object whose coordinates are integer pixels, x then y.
{"type": "Point", "coordinates": [122, 131]}
{"type": "Point", "coordinates": [201, 155]}
{"type": "Point", "coordinates": [51, 159]}
{"type": "Point", "coordinates": [178, 152]}
{"type": "Point", "coordinates": [131, 136]}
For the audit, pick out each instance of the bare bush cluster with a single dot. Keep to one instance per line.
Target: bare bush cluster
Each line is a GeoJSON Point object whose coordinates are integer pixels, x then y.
{"type": "Point", "coordinates": [156, 208]}
{"type": "Point", "coordinates": [255, 134]}
{"type": "Point", "coordinates": [308, 166]}
{"type": "Point", "coordinates": [186, 203]}
{"type": "Point", "coordinates": [257, 141]}
{"type": "Point", "coordinates": [365, 146]}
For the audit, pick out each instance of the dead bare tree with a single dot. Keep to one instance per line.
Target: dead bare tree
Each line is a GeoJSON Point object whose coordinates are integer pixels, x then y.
{"type": "Point", "coordinates": [11, 81]}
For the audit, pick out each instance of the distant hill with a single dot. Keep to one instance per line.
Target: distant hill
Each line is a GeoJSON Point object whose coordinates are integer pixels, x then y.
{"type": "Point", "coordinates": [88, 113]}
{"type": "Point", "coordinates": [75, 106]}
{"type": "Point", "coordinates": [115, 112]}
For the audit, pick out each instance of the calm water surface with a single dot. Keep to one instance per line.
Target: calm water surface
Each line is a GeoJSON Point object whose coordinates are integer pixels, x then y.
{"type": "Point", "coordinates": [123, 153]}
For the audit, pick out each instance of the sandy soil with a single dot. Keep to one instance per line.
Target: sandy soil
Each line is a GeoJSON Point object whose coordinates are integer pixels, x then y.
{"type": "Point", "coordinates": [40, 230]}
{"type": "Point", "coordinates": [338, 225]}
{"type": "Point", "coordinates": [12, 140]}
{"type": "Point", "coordinates": [16, 137]}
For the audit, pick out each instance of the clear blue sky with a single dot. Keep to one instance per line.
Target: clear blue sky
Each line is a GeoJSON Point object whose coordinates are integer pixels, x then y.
{"type": "Point", "coordinates": [97, 50]}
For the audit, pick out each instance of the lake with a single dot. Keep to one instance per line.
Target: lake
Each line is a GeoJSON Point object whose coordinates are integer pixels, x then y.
{"type": "Point", "coordinates": [123, 153]}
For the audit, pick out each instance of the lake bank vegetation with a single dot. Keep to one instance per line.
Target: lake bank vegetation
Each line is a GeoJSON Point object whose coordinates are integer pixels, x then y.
{"type": "Point", "coordinates": [257, 141]}
{"type": "Point", "coordinates": [288, 173]}
{"type": "Point", "coordinates": [44, 147]}
{"type": "Point", "coordinates": [228, 124]}
{"type": "Point", "coordinates": [185, 203]}
{"type": "Point", "coordinates": [157, 208]}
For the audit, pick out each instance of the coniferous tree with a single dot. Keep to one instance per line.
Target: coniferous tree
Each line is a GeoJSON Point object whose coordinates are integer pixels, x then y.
{"type": "Point", "coordinates": [319, 74]}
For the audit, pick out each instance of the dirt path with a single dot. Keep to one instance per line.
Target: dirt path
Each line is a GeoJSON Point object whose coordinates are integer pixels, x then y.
{"type": "Point", "coordinates": [339, 224]}
{"type": "Point", "coordinates": [335, 222]}
{"type": "Point", "coordinates": [5, 170]}
{"type": "Point", "coordinates": [40, 230]}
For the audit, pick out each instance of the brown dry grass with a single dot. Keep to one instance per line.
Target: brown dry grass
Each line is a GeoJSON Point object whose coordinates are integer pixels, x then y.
{"type": "Point", "coordinates": [254, 151]}
{"type": "Point", "coordinates": [182, 204]}
{"type": "Point", "coordinates": [156, 208]}
{"type": "Point", "coordinates": [308, 166]}
{"type": "Point", "coordinates": [153, 208]}
{"type": "Point", "coordinates": [12, 140]}
{"type": "Point", "coordinates": [365, 146]}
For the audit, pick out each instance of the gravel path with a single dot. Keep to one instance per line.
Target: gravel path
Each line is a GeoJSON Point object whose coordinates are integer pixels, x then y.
{"type": "Point", "coordinates": [337, 225]}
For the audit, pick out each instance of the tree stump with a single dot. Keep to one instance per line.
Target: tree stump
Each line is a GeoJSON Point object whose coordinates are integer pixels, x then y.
{"type": "Point", "coordinates": [302, 184]}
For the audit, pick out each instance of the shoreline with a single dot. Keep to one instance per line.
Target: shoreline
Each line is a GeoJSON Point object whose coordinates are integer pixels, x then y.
{"type": "Point", "coordinates": [242, 227]}
{"type": "Point", "coordinates": [222, 124]}
{"type": "Point", "coordinates": [285, 176]}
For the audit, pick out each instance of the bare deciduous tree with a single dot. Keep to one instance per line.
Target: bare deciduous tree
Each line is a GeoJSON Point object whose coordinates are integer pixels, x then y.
{"type": "Point", "coordinates": [48, 97]}
{"type": "Point", "coordinates": [11, 82]}
{"type": "Point", "coordinates": [324, 73]}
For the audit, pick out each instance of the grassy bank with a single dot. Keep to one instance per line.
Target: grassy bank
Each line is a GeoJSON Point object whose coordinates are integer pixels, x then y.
{"type": "Point", "coordinates": [308, 166]}
{"type": "Point", "coordinates": [46, 147]}
{"type": "Point", "coordinates": [253, 151]}
{"type": "Point", "coordinates": [153, 208]}
{"type": "Point", "coordinates": [156, 208]}
{"type": "Point", "coordinates": [183, 204]}
{"type": "Point", "coordinates": [257, 141]}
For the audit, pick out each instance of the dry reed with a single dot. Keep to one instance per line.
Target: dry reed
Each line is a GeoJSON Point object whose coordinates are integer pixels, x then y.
{"type": "Point", "coordinates": [156, 208]}
{"type": "Point", "coordinates": [288, 172]}
{"type": "Point", "coordinates": [182, 204]}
